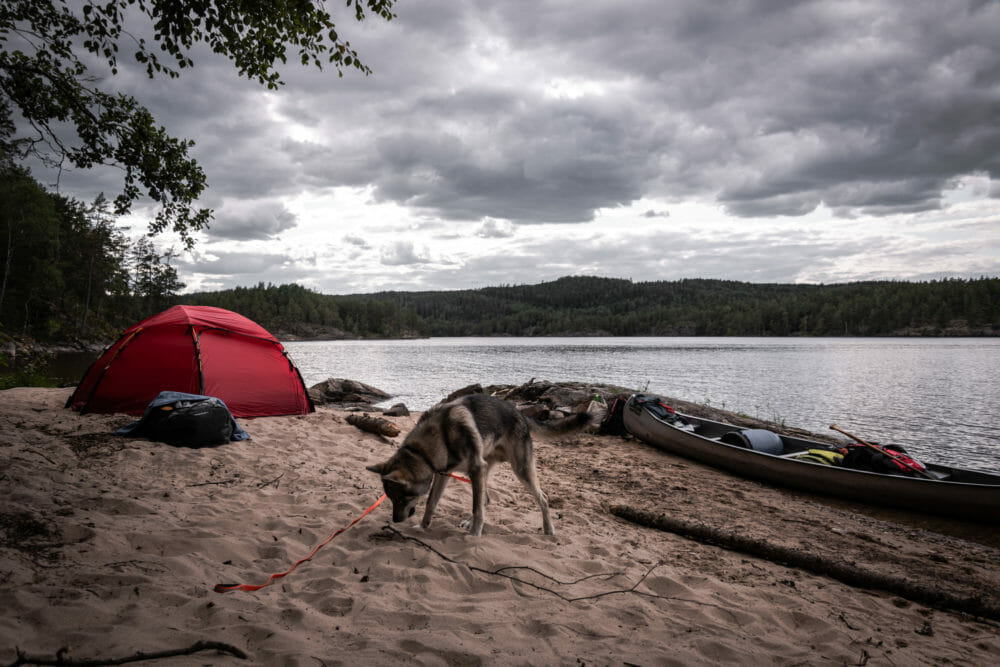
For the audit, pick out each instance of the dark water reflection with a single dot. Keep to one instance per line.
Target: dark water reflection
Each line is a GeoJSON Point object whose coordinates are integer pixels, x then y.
{"type": "Point", "coordinates": [937, 397]}
{"type": "Point", "coordinates": [67, 368]}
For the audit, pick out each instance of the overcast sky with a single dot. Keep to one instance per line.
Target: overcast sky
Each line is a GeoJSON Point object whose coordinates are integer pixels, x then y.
{"type": "Point", "coordinates": [511, 142]}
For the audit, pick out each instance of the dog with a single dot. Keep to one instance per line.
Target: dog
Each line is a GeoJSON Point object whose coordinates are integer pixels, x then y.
{"type": "Point", "coordinates": [470, 434]}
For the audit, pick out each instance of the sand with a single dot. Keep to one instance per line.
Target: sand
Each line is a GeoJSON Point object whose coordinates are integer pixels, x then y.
{"type": "Point", "coordinates": [111, 546]}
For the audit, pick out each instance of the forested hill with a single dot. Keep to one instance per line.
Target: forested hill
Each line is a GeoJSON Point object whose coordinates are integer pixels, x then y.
{"type": "Point", "coordinates": [604, 306]}
{"type": "Point", "coordinates": [586, 306]}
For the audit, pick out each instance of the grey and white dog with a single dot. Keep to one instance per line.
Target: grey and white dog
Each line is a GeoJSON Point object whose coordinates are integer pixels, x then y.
{"type": "Point", "coordinates": [470, 434]}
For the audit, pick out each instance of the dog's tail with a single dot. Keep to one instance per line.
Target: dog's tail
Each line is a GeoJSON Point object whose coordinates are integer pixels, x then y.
{"type": "Point", "coordinates": [589, 418]}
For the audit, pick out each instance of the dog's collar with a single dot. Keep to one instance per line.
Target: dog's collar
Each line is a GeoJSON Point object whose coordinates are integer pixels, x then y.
{"type": "Point", "coordinates": [422, 456]}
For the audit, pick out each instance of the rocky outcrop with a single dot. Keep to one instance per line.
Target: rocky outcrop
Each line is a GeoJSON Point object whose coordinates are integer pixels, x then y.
{"type": "Point", "coordinates": [346, 392]}
{"type": "Point", "coordinates": [563, 397]}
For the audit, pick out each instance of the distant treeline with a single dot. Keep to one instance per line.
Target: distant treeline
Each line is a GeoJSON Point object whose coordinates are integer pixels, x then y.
{"type": "Point", "coordinates": [587, 306]}
{"type": "Point", "coordinates": [292, 311]}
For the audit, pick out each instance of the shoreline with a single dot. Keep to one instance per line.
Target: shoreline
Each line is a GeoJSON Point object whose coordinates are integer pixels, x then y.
{"type": "Point", "coordinates": [112, 546]}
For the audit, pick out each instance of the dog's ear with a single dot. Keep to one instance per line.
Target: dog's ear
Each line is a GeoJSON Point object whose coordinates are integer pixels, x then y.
{"type": "Point", "coordinates": [399, 476]}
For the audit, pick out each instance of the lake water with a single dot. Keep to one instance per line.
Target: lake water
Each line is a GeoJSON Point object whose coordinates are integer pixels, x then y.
{"type": "Point", "coordinates": [938, 397]}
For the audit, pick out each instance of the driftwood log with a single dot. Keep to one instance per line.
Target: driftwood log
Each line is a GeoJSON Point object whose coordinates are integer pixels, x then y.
{"type": "Point", "coordinates": [812, 562]}
{"type": "Point", "coordinates": [62, 656]}
{"type": "Point", "coordinates": [371, 424]}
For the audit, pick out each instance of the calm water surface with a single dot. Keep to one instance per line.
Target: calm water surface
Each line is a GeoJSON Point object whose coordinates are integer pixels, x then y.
{"type": "Point", "coordinates": [937, 397]}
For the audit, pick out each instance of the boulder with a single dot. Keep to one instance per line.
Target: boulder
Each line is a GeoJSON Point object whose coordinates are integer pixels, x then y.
{"type": "Point", "coordinates": [397, 410]}
{"type": "Point", "coordinates": [464, 391]}
{"type": "Point", "coordinates": [339, 390]}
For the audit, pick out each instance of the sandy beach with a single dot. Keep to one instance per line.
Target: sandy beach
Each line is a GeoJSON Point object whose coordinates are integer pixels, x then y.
{"type": "Point", "coordinates": [112, 546]}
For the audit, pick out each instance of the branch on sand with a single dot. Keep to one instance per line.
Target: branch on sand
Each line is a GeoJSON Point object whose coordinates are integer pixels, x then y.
{"type": "Point", "coordinates": [378, 425]}
{"type": "Point", "coordinates": [811, 562]}
{"type": "Point", "coordinates": [62, 659]}
{"type": "Point", "coordinates": [502, 572]}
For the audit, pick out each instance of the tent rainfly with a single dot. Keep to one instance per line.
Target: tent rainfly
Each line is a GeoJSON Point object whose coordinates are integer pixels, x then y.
{"type": "Point", "coordinates": [196, 350]}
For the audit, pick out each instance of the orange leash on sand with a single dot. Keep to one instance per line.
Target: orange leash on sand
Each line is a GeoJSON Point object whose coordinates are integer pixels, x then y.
{"type": "Point", "coordinates": [225, 588]}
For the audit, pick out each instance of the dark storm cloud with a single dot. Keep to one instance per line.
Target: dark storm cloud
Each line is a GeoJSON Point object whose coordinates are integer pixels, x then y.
{"type": "Point", "coordinates": [772, 108]}
{"type": "Point", "coordinates": [554, 162]}
{"type": "Point", "coordinates": [252, 220]}
{"type": "Point", "coordinates": [548, 112]}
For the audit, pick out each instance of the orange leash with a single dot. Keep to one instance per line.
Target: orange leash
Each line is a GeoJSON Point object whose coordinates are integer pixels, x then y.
{"type": "Point", "coordinates": [225, 588]}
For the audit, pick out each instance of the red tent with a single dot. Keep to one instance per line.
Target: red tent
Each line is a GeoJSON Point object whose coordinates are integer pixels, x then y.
{"type": "Point", "coordinates": [197, 350]}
